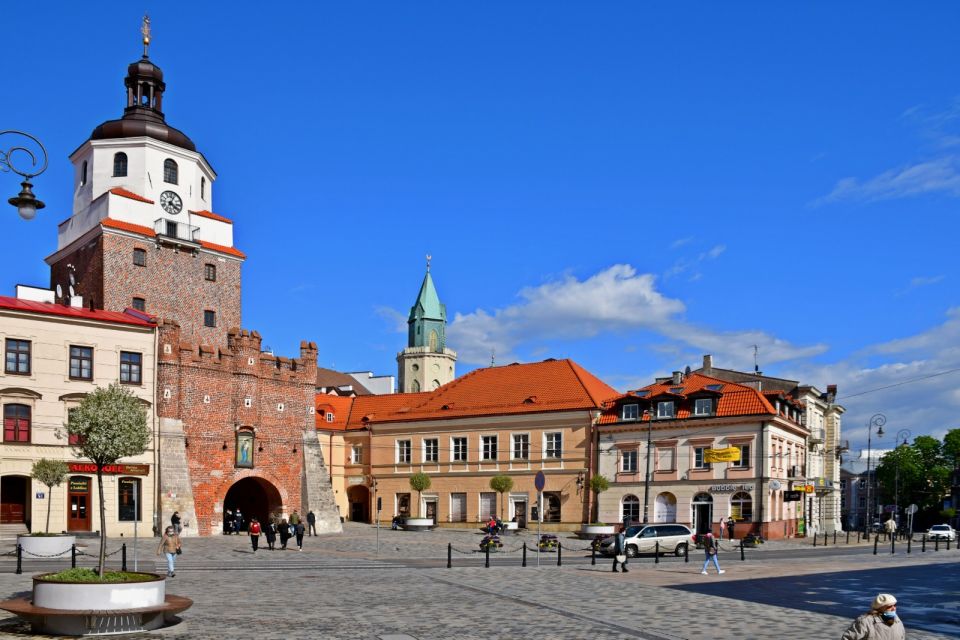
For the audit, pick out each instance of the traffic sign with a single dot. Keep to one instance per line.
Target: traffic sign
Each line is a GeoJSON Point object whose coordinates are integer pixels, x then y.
{"type": "Point", "coordinates": [540, 481]}
{"type": "Point", "coordinates": [912, 509]}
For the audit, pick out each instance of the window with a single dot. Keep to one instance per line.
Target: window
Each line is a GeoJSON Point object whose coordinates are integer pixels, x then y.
{"type": "Point", "coordinates": [209, 318]}
{"type": "Point", "coordinates": [458, 507]}
{"type": "Point", "coordinates": [81, 363]}
{"type": "Point", "coordinates": [521, 446]}
{"type": "Point", "coordinates": [170, 172]}
{"type": "Point", "coordinates": [630, 509]}
{"type": "Point", "coordinates": [698, 462]}
{"type": "Point", "coordinates": [203, 188]}
{"type": "Point", "coordinates": [119, 164]}
{"type": "Point", "coordinates": [489, 451]}
{"type": "Point", "coordinates": [554, 445]}
{"type": "Point", "coordinates": [631, 411]}
{"type": "Point", "coordinates": [403, 451]}
{"type": "Point", "coordinates": [741, 507]}
{"type": "Point", "coordinates": [356, 454]}
{"type": "Point", "coordinates": [329, 416]}
{"type": "Point", "coordinates": [403, 504]}
{"type": "Point", "coordinates": [16, 423]}
{"type": "Point", "coordinates": [131, 367]}
{"type": "Point", "coordinates": [171, 229]}
{"type": "Point", "coordinates": [83, 174]}
{"type": "Point", "coordinates": [128, 499]}
{"type": "Point", "coordinates": [703, 407]}
{"type": "Point", "coordinates": [18, 357]}
{"type": "Point", "coordinates": [666, 458]}
{"type": "Point", "coordinates": [139, 304]}
{"type": "Point", "coordinates": [628, 463]}
{"type": "Point", "coordinates": [210, 272]}
{"type": "Point", "coordinates": [431, 450]}
{"type": "Point", "coordinates": [459, 449]}
{"type": "Point", "coordinates": [665, 409]}
{"type": "Point", "coordinates": [140, 257]}
{"type": "Point", "coordinates": [744, 460]}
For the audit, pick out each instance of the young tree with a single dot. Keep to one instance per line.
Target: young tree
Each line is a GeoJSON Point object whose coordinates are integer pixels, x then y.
{"type": "Point", "coordinates": [109, 424]}
{"type": "Point", "coordinates": [598, 484]}
{"type": "Point", "coordinates": [419, 482]}
{"type": "Point", "coordinates": [501, 484]}
{"type": "Point", "coordinates": [50, 473]}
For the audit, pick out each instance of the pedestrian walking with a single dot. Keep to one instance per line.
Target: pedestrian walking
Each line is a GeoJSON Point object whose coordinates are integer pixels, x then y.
{"type": "Point", "coordinates": [270, 532]}
{"type": "Point", "coordinates": [880, 623]}
{"type": "Point", "coordinates": [730, 524]}
{"type": "Point", "coordinates": [284, 530]}
{"type": "Point", "coordinates": [311, 523]}
{"type": "Point", "coordinates": [723, 525]}
{"type": "Point", "coordinates": [710, 549]}
{"type": "Point", "coordinates": [254, 532]}
{"type": "Point", "coordinates": [228, 522]}
{"type": "Point", "coordinates": [170, 545]}
{"type": "Point", "coordinates": [237, 522]}
{"type": "Point", "coordinates": [620, 551]}
{"type": "Point", "coordinates": [298, 530]}
{"type": "Point", "coordinates": [295, 518]}
{"type": "Point", "coordinates": [175, 522]}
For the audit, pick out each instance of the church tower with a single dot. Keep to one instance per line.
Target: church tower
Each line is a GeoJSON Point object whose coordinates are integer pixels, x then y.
{"type": "Point", "coordinates": [143, 233]}
{"type": "Point", "coordinates": [426, 363]}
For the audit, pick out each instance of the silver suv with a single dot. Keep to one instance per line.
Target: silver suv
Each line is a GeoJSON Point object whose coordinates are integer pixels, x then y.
{"type": "Point", "coordinates": [643, 538]}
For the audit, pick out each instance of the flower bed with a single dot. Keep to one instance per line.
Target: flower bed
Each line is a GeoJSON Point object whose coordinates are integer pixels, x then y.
{"type": "Point", "coordinates": [548, 542]}
{"type": "Point", "coordinates": [491, 542]}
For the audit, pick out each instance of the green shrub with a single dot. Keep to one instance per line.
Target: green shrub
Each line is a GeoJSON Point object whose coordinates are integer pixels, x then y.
{"type": "Point", "coordinates": [89, 575]}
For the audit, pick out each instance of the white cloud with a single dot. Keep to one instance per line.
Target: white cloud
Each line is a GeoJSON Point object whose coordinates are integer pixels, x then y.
{"type": "Point", "coordinates": [679, 242]}
{"type": "Point", "coordinates": [934, 176]}
{"type": "Point", "coordinates": [394, 317]}
{"type": "Point", "coordinates": [692, 264]}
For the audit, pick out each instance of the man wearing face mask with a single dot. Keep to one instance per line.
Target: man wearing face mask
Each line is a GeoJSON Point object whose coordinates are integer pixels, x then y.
{"type": "Point", "coordinates": [880, 623]}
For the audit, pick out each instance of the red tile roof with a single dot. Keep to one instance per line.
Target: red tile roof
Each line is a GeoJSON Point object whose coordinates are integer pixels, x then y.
{"type": "Point", "coordinates": [52, 309]}
{"type": "Point", "coordinates": [339, 406]}
{"type": "Point", "coordinates": [203, 213]}
{"type": "Point", "coordinates": [732, 399]}
{"type": "Point", "coordinates": [120, 191]}
{"type": "Point", "coordinates": [222, 249]}
{"type": "Point", "coordinates": [150, 233]}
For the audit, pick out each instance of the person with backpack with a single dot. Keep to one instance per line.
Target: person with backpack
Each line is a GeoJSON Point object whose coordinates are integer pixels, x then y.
{"type": "Point", "coordinates": [254, 531]}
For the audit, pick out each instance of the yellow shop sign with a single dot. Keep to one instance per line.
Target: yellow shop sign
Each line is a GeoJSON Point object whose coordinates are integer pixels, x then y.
{"type": "Point", "coordinates": [730, 454]}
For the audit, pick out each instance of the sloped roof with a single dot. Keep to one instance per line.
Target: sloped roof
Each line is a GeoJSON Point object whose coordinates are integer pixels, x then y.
{"type": "Point", "coordinates": [120, 191]}
{"type": "Point", "coordinates": [330, 378]}
{"type": "Point", "coordinates": [203, 213]}
{"type": "Point", "coordinates": [53, 309]}
{"type": "Point", "coordinates": [150, 233]}
{"type": "Point", "coordinates": [339, 406]}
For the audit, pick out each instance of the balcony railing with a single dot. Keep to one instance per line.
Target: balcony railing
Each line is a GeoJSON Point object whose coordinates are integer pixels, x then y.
{"type": "Point", "coordinates": [816, 435]}
{"type": "Point", "coordinates": [176, 230]}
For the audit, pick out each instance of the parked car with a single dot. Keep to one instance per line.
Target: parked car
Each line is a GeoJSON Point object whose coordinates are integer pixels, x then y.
{"type": "Point", "coordinates": [642, 538]}
{"type": "Point", "coordinates": [942, 532]}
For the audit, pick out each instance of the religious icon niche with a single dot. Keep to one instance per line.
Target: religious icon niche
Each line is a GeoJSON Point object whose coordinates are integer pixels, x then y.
{"type": "Point", "coordinates": [245, 449]}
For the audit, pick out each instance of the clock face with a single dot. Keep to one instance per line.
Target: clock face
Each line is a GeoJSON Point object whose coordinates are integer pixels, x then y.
{"type": "Point", "coordinates": [170, 202]}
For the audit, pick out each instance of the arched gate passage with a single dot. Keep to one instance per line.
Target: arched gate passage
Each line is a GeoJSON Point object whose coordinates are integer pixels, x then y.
{"type": "Point", "coordinates": [255, 497]}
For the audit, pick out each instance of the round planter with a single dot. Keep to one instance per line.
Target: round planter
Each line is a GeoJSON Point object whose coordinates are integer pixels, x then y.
{"type": "Point", "coordinates": [72, 596]}
{"type": "Point", "coordinates": [46, 546]}
{"type": "Point", "coordinates": [418, 524]}
{"type": "Point", "coordinates": [511, 526]}
{"type": "Point", "coordinates": [594, 530]}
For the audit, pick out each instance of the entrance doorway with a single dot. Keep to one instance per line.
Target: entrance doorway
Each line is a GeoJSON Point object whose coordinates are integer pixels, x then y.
{"type": "Point", "coordinates": [702, 506]}
{"type": "Point", "coordinates": [430, 508]}
{"type": "Point", "coordinates": [255, 497]}
{"type": "Point", "coordinates": [14, 500]}
{"type": "Point", "coordinates": [78, 504]}
{"type": "Point", "coordinates": [520, 513]}
{"type": "Point", "coordinates": [359, 498]}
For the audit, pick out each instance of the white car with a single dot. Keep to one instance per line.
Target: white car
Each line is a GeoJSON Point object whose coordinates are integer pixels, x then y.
{"type": "Point", "coordinates": [941, 532]}
{"type": "Point", "coordinates": [643, 538]}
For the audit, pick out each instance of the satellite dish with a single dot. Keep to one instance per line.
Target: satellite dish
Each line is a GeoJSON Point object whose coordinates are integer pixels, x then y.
{"type": "Point", "coordinates": [73, 280]}
{"type": "Point", "coordinates": [72, 292]}
{"type": "Point", "coordinates": [775, 484]}
{"type": "Point", "coordinates": [59, 291]}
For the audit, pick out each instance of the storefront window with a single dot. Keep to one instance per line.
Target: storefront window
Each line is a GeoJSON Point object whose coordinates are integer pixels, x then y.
{"type": "Point", "coordinates": [128, 499]}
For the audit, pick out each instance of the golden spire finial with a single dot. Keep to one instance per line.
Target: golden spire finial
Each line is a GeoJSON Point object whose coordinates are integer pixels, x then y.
{"type": "Point", "coordinates": [145, 30]}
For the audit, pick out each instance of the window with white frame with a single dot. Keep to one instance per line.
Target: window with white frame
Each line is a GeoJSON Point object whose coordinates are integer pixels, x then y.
{"type": "Point", "coordinates": [488, 450]}
{"type": "Point", "coordinates": [630, 509]}
{"type": "Point", "coordinates": [631, 411]}
{"type": "Point", "coordinates": [431, 450]}
{"type": "Point", "coordinates": [553, 445]}
{"type": "Point", "coordinates": [458, 449]}
{"type": "Point", "coordinates": [356, 454]}
{"type": "Point", "coordinates": [628, 462]}
{"type": "Point", "coordinates": [699, 454]}
{"type": "Point", "coordinates": [665, 409]}
{"type": "Point", "coordinates": [744, 460]}
{"type": "Point", "coordinates": [703, 407]}
{"type": "Point", "coordinates": [666, 458]}
{"type": "Point", "coordinates": [521, 446]}
{"type": "Point", "coordinates": [403, 451]}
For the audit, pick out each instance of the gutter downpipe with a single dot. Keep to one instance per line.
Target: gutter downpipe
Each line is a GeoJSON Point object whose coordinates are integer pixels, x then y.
{"type": "Point", "coordinates": [763, 469]}
{"type": "Point", "coordinates": [593, 462]}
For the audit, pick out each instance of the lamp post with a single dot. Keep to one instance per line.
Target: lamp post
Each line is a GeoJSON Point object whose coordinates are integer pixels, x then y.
{"type": "Point", "coordinates": [902, 436]}
{"type": "Point", "coordinates": [25, 202]}
{"type": "Point", "coordinates": [876, 420]}
{"type": "Point", "coordinates": [646, 475]}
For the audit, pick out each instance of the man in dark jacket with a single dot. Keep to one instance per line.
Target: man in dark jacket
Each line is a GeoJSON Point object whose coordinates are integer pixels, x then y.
{"type": "Point", "coordinates": [311, 523]}
{"type": "Point", "coordinates": [620, 549]}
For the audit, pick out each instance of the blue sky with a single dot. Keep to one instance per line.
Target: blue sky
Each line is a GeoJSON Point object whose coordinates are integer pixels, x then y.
{"type": "Point", "coordinates": [626, 184]}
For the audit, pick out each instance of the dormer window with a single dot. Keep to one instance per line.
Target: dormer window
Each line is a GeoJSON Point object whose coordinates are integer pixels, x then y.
{"type": "Point", "coordinates": [665, 409]}
{"type": "Point", "coordinates": [703, 407]}
{"type": "Point", "coordinates": [119, 164]}
{"type": "Point", "coordinates": [170, 171]}
{"type": "Point", "coordinates": [631, 411]}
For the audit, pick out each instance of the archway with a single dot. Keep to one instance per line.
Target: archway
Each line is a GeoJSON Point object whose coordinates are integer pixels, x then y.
{"type": "Point", "coordinates": [255, 497]}
{"type": "Point", "coordinates": [359, 498]}
{"type": "Point", "coordinates": [665, 508]}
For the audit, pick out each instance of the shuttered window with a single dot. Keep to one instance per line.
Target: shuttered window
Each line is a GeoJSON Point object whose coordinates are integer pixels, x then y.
{"type": "Point", "coordinates": [488, 505]}
{"type": "Point", "coordinates": [458, 507]}
{"type": "Point", "coordinates": [666, 459]}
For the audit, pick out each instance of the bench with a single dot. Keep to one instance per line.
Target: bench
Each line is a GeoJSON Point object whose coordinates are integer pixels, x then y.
{"type": "Point", "coordinates": [93, 622]}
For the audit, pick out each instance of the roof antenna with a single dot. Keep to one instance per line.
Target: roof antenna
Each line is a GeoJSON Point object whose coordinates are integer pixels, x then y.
{"type": "Point", "coordinates": [756, 365]}
{"type": "Point", "coordinates": [493, 357]}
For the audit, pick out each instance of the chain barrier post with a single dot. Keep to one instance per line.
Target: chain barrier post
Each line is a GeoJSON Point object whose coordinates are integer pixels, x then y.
{"type": "Point", "coordinates": [923, 544]}
{"type": "Point", "coordinates": [73, 556]}
{"type": "Point", "coordinates": [893, 542]}
{"type": "Point", "coordinates": [834, 537]}
{"type": "Point", "coordinates": [742, 556]}
{"type": "Point", "coordinates": [686, 552]}
{"type": "Point", "coordinates": [524, 563]}
{"type": "Point", "coordinates": [824, 538]}
{"type": "Point", "coordinates": [858, 537]}
{"type": "Point", "coordinates": [909, 540]}
{"type": "Point", "coordinates": [449, 555]}
{"type": "Point", "coordinates": [876, 539]}
{"type": "Point", "coordinates": [486, 554]}
{"type": "Point", "coordinates": [559, 553]}
{"type": "Point", "coordinates": [948, 544]}
{"type": "Point", "coordinates": [593, 554]}
{"type": "Point", "coordinates": [848, 536]}
{"type": "Point", "coordinates": [19, 559]}
{"type": "Point", "coordinates": [936, 543]}
{"type": "Point", "coordinates": [656, 552]}
{"type": "Point", "coordinates": [123, 557]}
{"type": "Point", "coordinates": [814, 540]}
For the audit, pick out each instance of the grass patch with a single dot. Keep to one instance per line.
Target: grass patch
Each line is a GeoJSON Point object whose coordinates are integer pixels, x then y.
{"type": "Point", "coordinates": [89, 575]}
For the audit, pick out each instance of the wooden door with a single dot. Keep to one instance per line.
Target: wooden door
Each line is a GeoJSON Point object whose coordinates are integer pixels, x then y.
{"type": "Point", "coordinates": [13, 500]}
{"type": "Point", "coordinates": [78, 504]}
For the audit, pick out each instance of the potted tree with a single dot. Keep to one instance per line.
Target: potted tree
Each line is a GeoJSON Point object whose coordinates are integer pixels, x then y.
{"type": "Point", "coordinates": [45, 544]}
{"type": "Point", "coordinates": [419, 482]}
{"type": "Point", "coordinates": [598, 484]}
{"type": "Point", "coordinates": [503, 484]}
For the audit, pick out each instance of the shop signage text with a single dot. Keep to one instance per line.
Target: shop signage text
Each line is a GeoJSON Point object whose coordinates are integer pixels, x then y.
{"type": "Point", "coordinates": [730, 454]}
{"type": "Point", "coordinates": [111, 469]}
{"type": "Point", "coordinates": [729, 488]}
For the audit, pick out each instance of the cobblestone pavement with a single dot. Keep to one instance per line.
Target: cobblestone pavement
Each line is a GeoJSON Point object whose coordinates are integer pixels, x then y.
{"type": "Point", "coordinates": [338, 587]}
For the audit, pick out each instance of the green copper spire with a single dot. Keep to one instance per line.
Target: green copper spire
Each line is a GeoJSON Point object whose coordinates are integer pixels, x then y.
{"type": "Point", "coordinates": [428, 317]}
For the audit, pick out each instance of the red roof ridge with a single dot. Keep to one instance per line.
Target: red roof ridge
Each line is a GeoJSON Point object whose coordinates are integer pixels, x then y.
{"type": "Point", "coordinates": [128, 226]}
{"type": "Point", "coordinates": [52, 308]}
{"type": "Point", "coordinates": [203, 213]}
{"type": "Point", "coordinates": [593, 385]}
{"type": "Point", "coordinates": [120, 191]}
{"type": "Point", "coordinates": [223, 249]}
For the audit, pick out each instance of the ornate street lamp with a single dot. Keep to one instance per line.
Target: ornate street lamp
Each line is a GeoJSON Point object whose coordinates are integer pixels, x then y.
{"type": "Point", "coordinates": [25, 202]}
{"type": "Point", "coordinates": [877, 420]}
{"type": "Point", "coordinates": [902, 436]}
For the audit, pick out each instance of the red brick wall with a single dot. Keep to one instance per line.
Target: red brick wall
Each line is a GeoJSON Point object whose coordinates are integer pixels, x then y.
{"type": "Point", "coordinates": [87, 261]}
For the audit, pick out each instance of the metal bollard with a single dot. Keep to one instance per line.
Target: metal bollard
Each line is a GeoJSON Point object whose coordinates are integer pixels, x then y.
{"type": "Point", "coordinates": [814, 539]}
{"type": "Point", "coordinates": [909, 540]}
{"type": "Point", "coordinates": [923, 544]}
{"type": "Point", "coordinates": [449, 555]}
{"type": "Point", "coordinates": [656, 552]}
{"type": "Point", "coordinates": [893, 543]}
{"type": "Point", "coordinates": [858, 537]}
{"type": "Point", "coordinates": [686, 552]}
{"type": "Point", "coordinates": [559, 554]}
{"type": "Point", "coordinates": [876, 539]}
{"type": "Point", "coordinates": [848, 536]}
{"type": "Point", "coordinates": [936, 544]}
{"type": "Point", "coordinates": [834, 536]}
{"type": "Point", "coordinates": [524, 563]}
{"type": "Point", "coordinates": [73, 556]}
{"type": "Point", "coordinates": [948, 544]}
{"type": "Point", "coordinates": [486, 554]}
{"type": "Point", "coordinates": [123, 556]}
{"type": "Point", "coordinates": [19, 559]}
{"type": "Point", "coordinates": [593, 554]}
{"type": "Point", "coordinates": [742, 557]}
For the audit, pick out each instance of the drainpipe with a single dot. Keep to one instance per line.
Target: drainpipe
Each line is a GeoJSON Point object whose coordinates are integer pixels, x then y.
{"type": "Point", "coordinates": [156, 433]}
{"type": "Point", "coordinates": [763, 468]}
{"type": "Point", "coordinates": [593, 462]}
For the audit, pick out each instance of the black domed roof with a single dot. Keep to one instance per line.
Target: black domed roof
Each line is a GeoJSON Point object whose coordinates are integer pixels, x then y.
{"type": "Point", "coordinates": [145, 69]}
{"type": "Point", "coordinates": [131, 126]}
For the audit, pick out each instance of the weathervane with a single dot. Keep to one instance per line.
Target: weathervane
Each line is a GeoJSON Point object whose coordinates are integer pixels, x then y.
{"type": "Point", "coordinates": [429, 257]}
{"type": "Point", "coordinates": [145, 30]}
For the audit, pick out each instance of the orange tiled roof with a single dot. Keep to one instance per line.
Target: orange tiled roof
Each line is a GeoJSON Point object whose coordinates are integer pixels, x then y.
{"type": "Point", "coordinates": [203, 213]}
{"type": "Point", "coordinates": [222, 249]}
{"type": "Point", "coordinates": [551, 385]}
{"type": "Point", "coordinates": [128, 226]}
{"type": "Point", "coordinates": [732, 399]}
{"type": "Point", "coordinates": [339, 406]}
{"type": "Point", "coordinates": [120, 191]}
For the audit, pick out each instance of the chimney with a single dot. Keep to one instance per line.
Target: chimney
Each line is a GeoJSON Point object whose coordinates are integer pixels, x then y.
{"type": "Point", "coordinates": [677, 377]}
{"type": "Point", "coordinates": [831, 393]}
{"type": "Point", "coordinates": [707, 363]}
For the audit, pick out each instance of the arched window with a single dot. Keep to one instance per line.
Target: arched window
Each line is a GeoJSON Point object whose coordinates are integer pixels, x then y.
{"type": "Point", "coordinates": [129, 500]}
{"type": "Point", "coordinates": [16, 423]}
{"type": "Point", "coordinates": [741, 507]}
{"type": "Point", "coordinates": [665, 508]}
{"type": "Point", "coordinates": [434, 339]}
{"type": "Point", "coordinates": [415, 387]}
{"type": "Point", "coordinates": [630, 509]}
{"type": "Point", "coordinates": [203, 188]}
{"type": "Point", "coordinates": [170, 172]}
{"type": "Point", "coordinates": [119, 164]}
{"type": "Point", "coordinates": [435, 384]}
{"type": "Point", "coordinates": [83, 174]}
